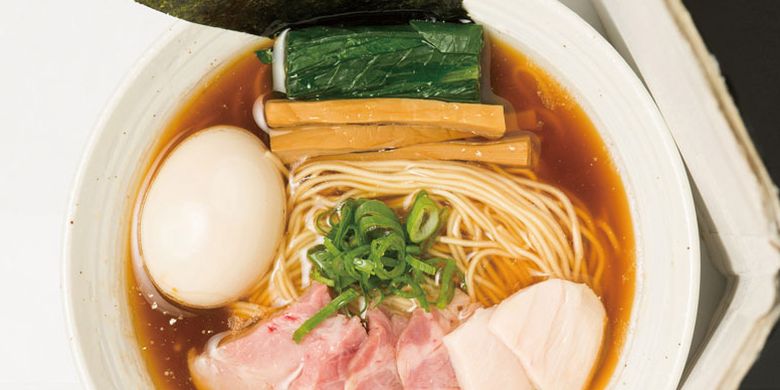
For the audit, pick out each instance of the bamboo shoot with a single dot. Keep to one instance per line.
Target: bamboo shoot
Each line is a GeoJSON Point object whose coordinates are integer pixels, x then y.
{"type": "Point", "coordinates": [315, 141]}
{"type": "Point", "coordinates": [521, 151]}
{"type": "Point", "coordinates": [479, 119]}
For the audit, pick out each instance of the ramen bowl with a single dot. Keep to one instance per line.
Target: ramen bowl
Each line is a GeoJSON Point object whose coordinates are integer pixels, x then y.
{"type": "Point", "coordinates": [127, 139]}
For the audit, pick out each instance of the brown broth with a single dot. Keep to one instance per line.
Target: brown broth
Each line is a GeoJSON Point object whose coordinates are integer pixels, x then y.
{"type": "Point", "coordinates": [573, 157]}
{"type": "Point", "coordinates": [225, 99]}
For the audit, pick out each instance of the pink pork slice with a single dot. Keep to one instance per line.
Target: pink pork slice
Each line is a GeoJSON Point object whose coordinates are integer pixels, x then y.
{"type": "Point", "coordinates": [266, 357]}
{"type": "Point", "coordinates": [373, 366]}
{"type": "Point", "coordinates": [329, 349]}
{"type": "Point", "coordinates": [422, 359]}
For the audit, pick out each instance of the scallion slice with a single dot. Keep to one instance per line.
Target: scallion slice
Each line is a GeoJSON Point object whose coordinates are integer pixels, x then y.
{"type": "Point", "coordinates": [420, 265]}
{"type": "Point", "coordinates": [423, 220]}
{"type": "Point", "coordinates": [331, 308]}
{"type": "Point", "coordinates": [447, 284]}
{"type": "Point", "coordinates": [319, 278]}
{"type": "Point", "coordinates": [367, 252]}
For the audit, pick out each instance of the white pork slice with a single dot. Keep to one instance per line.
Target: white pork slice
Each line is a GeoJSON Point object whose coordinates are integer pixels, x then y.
{"type": "Point", "coordinates": [266, 357]}
{"type": "Point", "coordinates": [480, 359]}
{"type": "Point", "coordinates": [555, 328]}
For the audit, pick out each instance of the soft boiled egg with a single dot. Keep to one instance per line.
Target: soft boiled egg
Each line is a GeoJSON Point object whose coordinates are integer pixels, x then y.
{"type": "Point", "coordinates": [212, 217]}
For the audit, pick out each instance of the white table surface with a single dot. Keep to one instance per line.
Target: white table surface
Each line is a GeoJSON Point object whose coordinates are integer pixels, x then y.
{"type": "Point", "coordinates": [60, 63]}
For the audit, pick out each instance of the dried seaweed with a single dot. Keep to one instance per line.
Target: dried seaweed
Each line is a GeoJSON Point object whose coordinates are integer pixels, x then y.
{"type": "Point", "coordinates": [267, 17]}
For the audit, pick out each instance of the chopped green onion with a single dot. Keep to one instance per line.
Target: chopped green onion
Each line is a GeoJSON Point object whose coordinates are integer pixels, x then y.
{"type": "Point", "coordinates": [348, 260]}
{"type": "Point", "coordinates": [322, 223]}
{"type": "Point", "coordinates": [331, 248]}
{"type": "Point", "coordinates": [420, 265]}
{"type": "Point", "coordinates": [316, 276]}
{"type": "Point", "coordinates": [384, 274]}
{"type": "Point", "coordinates": [447, 284]}
{"type": "Point", "coordinates": [329, 309]}
{"type": "Point", "coordinates": [319, 255]}
{"type": "Point", "coordinates": [345, 214]}
{"type": "Point", "coordinates": [389, 244]}
{"type": "Point", "coordinates": [378, 223]}
{"type": "Point", "coordinates": [367, 252]}
{"type": "Point", "coordinates": [423, 220]}
{"type": "Point", "coordinates": [353, 237]}
{"type": "Point", "coordinates": [422, 300]}
{"type": "Point", "coordinates": [374, 207]}
{"type": "Point", "coordinates": [364, 265]}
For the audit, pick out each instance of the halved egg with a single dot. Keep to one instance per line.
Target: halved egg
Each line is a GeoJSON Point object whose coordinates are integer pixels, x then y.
{"type": "Point", "coordinates": [212, 217]}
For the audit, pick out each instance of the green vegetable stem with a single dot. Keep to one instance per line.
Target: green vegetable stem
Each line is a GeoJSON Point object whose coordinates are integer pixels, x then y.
{"type": "Point", "coordinates": [416, 60]}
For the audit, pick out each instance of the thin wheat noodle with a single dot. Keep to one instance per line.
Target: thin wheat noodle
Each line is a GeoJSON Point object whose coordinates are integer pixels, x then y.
{"type": "Point", "coordinates": [505, 229]}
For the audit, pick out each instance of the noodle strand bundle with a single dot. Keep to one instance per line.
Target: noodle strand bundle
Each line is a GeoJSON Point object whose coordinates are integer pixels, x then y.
{"type": "Point", "coordinates": [499, 218]}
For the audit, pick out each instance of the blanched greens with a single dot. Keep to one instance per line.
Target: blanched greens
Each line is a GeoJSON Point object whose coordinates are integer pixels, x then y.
{"type": "Point", "coordinates": [266, 17]}
{"type": "Point", "coordinates": [368, 252]}
{"type": "Point", "coordinates": [416, 60]}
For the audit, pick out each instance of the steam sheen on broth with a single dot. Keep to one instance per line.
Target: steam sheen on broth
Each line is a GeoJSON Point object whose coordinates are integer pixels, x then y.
{"type": "Point", "coordinates": [573, 158]}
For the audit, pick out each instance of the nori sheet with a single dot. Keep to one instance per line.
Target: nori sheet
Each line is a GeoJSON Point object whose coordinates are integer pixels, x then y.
{"type": "Point", "coordinates": [267, 17]}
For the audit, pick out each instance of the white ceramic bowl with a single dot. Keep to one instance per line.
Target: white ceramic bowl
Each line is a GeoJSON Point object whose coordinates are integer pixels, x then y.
{"type": "Point", "coordinates": [666, 235]}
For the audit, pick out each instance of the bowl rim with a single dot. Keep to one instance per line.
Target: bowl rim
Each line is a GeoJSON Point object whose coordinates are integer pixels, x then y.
{"type": "Point", "coordinates": [578, 31]}
{"type": "Point", "coordinates": [605, 52]}
{"type": "Point", "coordinates": [161, 42]}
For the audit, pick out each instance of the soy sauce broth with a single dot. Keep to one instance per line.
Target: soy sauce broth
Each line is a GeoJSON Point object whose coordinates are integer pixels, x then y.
{"type": "Point", "coordinates": [573, 157]}
{"type": "Point", "coordinates": [164, 340]}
